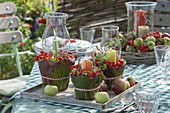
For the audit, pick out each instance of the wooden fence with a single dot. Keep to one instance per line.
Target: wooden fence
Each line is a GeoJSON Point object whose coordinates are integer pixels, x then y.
{"type": "Point", "coordinates": [94, 13]}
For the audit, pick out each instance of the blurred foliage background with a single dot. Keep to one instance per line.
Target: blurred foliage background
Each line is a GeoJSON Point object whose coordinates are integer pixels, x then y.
{"type": "Point", "coordinates": [31, 14]}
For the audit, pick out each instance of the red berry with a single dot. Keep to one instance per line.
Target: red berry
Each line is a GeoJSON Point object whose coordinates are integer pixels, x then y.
{"type": "Point", "coordinates": [144, 37]}
{"type": "Point", "coordinates": [35, 58]}
{"type": "Point", "coordinates": [114, 64]}
{"type": "Point", "coordinates": [73, 41]}
{"type": "Point", "coordinates": [4, 15]}
{"type": "Point", "coordinates": [131, 42]}
{"type": "Point", "coordinates": [118, 64]}
{"type": "Point", "coordinates": [121, 62]}
{"type": "Point", "coordinates": [42, 20]}
{"type": "Point", "coordinates": [132, 84]}
{"type": "Point", "coordinates": [157, 35]}
{"type": "Point", "coordinates": [143, 48]}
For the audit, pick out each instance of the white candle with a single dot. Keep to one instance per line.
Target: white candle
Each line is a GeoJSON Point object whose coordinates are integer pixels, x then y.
{"type": "Point", "coordinates": [142, 31]}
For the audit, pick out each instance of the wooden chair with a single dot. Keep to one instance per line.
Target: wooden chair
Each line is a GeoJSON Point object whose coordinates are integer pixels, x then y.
{"type": "Point", "coordinates": [162, 16]}
{"type": "Point", "coordinates": [9, 34]}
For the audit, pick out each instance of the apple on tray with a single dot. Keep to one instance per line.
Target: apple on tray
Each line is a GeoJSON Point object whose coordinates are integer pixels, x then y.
{"type": "Point", "coordinates": [119, 85]}
{"type": "Point", "coordinates": [50, 90]}
{"type": "Point", "coordinates": [101, 97]}
{"type": "Point", "coordinates": [103, 87]}
{"type": "Point", "coordinates": [131, 80]}
{"type": "Point", "coordinates": [128, 84]}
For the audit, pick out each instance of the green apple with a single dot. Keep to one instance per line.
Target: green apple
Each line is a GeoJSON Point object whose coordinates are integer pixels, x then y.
{"type": "Point", "coordinates": [128, 84]}
{"type": "Point", "coordinates": [50, 90]}
{"type": "Point", "coordinates": [138, 42]}
{"type": "Point", "coordinates": [111, 55]}
{"type": "Point", "coordinates": [166, 40]}
{"type": "Point", "coordinates": [131, 80]}
{"type": "Point", "coordinates": [131, 35]}
{"type": "Point", "coordinates": [151, 45]}
{"type": "Point", "coordinates": [101, 97]}
{"type": "Point", "coordinates": [150, 38]}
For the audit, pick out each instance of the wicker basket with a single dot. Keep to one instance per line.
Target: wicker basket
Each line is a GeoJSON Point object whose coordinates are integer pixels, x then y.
{"type": "Point", "coordinates": [139, 58]}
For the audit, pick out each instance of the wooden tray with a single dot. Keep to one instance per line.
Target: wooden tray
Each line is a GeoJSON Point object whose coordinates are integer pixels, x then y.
{"type": "Point", "coordinates": [68, 97]}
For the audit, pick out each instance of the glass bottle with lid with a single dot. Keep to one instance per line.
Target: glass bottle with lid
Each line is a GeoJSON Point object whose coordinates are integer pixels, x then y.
{"type": "Point", "coordinates": [56, 30]}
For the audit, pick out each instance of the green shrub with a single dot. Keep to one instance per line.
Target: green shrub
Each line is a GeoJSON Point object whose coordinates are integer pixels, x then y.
{"type": "Point", "coordinates": [27, 10]}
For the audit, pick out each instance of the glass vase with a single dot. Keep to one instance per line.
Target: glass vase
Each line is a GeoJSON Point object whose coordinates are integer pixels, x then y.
{"type": "Point", "coordinates": [56, 29]}
{"type": "Point", "coordinates": [140, 17]}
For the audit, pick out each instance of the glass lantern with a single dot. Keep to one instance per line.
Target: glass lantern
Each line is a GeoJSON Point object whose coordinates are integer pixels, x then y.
{"type": "Point", "coordinates": [110, 39]}
{"type": "Point", "coordinates": [56, 35]}
{"type": "Point", "coordinates": [140, 17]}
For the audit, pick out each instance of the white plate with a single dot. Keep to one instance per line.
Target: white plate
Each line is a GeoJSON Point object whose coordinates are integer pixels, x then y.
{"type": "Point", "coordinates": [79, 44]}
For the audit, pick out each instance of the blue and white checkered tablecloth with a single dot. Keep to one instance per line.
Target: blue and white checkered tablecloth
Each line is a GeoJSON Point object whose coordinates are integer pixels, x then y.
{"type": "Point", "coordinates": [145, 74]}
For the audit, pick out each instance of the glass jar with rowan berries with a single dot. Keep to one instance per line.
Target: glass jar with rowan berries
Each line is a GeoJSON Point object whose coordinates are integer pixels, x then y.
{"type": "Point", "coordinates": [111, 64]}
{"type": "Point", "coordinates": [55, 68]}
{"type": "Point", "coordinates": [86, 79]}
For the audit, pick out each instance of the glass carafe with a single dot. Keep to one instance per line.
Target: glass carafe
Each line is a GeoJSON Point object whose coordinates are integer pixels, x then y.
{"type": "Point", "coordinates": [56, 29]}
{"type": "Point", "coordinates": [140, 17]}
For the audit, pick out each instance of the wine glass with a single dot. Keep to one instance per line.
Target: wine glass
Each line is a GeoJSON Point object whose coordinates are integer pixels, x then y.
{"type": "Point", "coordinates": [162, 54]}
{"type": "Point", "coordinates": [110, 39]}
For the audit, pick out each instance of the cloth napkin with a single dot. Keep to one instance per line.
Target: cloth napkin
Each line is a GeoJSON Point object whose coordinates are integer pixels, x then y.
{"type": "Point", "coordinates": [11, 86]}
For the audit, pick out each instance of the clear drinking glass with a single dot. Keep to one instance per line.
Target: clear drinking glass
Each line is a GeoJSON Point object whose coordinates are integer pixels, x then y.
{"type": "Point", "coordinates": [147, 100]}
{"type": "Point", "coordinates": [86, 36]}
{"type": "Point", "coordinates": [110, 39]}
{"type": "Point", "coordinates": [162, 54]}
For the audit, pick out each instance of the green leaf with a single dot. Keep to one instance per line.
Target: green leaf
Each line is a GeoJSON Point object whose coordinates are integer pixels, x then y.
{"type": "Point", "coordinates": [58, 69]}
{"type": "Point", "coordinates": [85, 82]}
